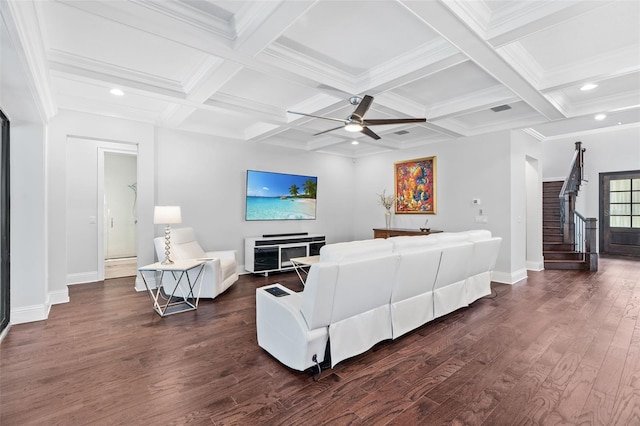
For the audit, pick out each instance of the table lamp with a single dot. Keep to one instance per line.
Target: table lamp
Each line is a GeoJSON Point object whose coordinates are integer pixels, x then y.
{"type": "Point", "coordinates": [167, 215]}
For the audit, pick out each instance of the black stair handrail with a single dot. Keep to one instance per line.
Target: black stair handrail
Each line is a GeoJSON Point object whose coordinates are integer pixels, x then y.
{"type": "Point", "coordinates": [578, 231]}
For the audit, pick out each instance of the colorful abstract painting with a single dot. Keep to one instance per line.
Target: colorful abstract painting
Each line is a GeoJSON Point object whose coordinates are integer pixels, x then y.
{"type": "Point", "coordinates": [415, 182]}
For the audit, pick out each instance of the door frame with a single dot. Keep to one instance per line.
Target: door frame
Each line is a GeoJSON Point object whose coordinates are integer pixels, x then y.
{"type": "Point", "coordinates": [604, 219]}
{"type": "Point", "coordinates": [5, 225]}
{"type": "Point", "coordinates": [123, 148]}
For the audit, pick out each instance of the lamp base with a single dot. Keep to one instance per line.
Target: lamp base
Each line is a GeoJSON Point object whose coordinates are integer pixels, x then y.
{"type": "Point", "coordinates": [167, 246]}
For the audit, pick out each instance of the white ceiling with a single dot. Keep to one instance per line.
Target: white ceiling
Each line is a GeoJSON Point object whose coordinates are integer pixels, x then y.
{"type": "Point", "coordinates": [233, 68]}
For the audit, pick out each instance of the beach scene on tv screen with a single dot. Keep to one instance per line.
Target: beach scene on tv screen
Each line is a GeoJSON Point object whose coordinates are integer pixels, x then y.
{"type": "Point", "coordinates": [280, 196]}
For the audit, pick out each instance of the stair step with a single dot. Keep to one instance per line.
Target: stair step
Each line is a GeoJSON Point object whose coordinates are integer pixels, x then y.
{"type": "Point", "coordinates": [562, 255]}
{"type": "Point", "coordinates": [552, 238]}
{"type": "Point", "coordinates": [557, 246]}
{"type": "Point", "coordinates": [564, 264]}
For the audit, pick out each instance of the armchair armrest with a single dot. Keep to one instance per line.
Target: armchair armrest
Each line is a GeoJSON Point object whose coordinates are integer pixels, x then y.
{"type": "Point", "coordinates": [222, 254]}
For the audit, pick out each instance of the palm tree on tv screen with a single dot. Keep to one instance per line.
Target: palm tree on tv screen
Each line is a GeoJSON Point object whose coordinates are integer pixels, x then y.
{"type": "Point", "coordinates": [310, 188]}
{"type": "Point", "coordinates": [293, 190]}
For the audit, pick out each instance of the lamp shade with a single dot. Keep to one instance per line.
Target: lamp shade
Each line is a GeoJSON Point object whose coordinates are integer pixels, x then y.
{"type": "Point", "coordinates": [166, 215]}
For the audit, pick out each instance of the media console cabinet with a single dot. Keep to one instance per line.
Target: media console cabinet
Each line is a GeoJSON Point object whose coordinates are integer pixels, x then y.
{"type": "Point", "coordinates": [273, 253]}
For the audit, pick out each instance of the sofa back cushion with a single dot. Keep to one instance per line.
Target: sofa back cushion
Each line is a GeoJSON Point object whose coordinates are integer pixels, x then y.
{"type": "Point", "coordinates": [352, 250]}
{"type": "Point", "coordinates": [478, 235]}
{"type": "Point", "coordinates": [484, 256]}
{"type": "Point", "coordinates": [405, 242]}
{"type": "Point", "coordinates": [416, 273]}
{"type": "Point", "coordinates": [453, 263]}
{"type": "Point", "coordinates": [363, 285]}
{"type": "Point", "coordinates": [316, 301]}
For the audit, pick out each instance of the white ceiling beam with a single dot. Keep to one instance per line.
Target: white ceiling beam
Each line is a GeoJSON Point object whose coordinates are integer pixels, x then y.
{"type": "Point", "coordinates": [259, 24]}
{"type": "Point", "coordinates": [449, 26]}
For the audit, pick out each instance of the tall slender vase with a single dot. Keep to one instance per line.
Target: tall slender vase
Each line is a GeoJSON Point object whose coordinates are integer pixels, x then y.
{"type": "Point", "coordinates": [387, 219]}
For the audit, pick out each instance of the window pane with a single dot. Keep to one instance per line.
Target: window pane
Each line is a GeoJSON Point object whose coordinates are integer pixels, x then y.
{"type": "Point", "coordinates": [620, 221]}
{"type": "Point", "coordinates": [620, 185]}
{"type": "Point", "coordinates": [635, 196]}
{"type": "Point", "coordinates": [636, 222]}
{"type": "Point", "coordinates": [636, 183]}
{"type": "Point", "coordinates": [635, 209]}
{"type": "Point", "coordinates": [619, 197]}
{"type": "Point", "coordinates": [620, 209]}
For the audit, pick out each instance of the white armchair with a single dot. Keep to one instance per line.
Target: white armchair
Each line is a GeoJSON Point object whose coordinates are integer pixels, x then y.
{"type": "Point", "coordinates": [219, 273]}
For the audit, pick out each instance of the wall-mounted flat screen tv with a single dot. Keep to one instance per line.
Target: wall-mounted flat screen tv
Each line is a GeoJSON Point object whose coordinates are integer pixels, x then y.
{"type": "Point", "coordinates": [280, 196]}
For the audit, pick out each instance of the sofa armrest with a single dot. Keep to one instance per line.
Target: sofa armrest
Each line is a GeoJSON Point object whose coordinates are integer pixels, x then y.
{"type": "Point", "coordinates": [283, 332]}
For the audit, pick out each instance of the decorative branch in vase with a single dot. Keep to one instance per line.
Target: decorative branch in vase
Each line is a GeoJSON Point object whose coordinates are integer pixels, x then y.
{"type": "Point", "coordinates": [386, 201]}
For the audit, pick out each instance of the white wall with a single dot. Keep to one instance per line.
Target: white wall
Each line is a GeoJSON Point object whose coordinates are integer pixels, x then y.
{"type": "Point", "coordinates": [85, 207]}
{"type": "Point", "coordinates": [606, 151]}
{"type": "Point", "coordinates": [68, 126]}
{"type": "Point", "coordinates": [29, 290]}
{"type": "Point", "coordinates": [207, 178]}
{"type": "Point", "coordinates": [29, 297]}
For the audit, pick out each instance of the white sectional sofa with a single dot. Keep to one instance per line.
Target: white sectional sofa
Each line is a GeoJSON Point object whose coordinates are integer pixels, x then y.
{"type": "Point", "coordinates": [363, 292]}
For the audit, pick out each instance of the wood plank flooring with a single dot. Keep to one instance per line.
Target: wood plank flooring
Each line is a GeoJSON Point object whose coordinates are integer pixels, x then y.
{"type": "Point", "coordinates": [561, 347]}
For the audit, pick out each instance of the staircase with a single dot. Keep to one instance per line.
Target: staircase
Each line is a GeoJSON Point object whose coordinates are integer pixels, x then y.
{"type": "Point", "coordinates": [557, 254]}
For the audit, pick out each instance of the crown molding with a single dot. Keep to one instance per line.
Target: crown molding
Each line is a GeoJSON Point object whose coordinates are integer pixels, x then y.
{"type": "Point", "coordinates": [21, 19]}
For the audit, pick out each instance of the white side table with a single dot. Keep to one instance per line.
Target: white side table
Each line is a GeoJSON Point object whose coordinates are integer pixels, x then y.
{"type": "Point", "coordinates": [299, 263]}
{"type": "Point", "coordinates": [180, 298]}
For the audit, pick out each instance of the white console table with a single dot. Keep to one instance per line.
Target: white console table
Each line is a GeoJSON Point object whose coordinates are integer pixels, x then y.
{"type": "Point", "coordinates": [171, 302]}
{"type": "Point", "coordinates": [273, 253]}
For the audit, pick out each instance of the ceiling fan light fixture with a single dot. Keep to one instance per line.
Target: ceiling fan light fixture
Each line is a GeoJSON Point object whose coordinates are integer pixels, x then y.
{"type": "Point", "coordinates": [353, 127]}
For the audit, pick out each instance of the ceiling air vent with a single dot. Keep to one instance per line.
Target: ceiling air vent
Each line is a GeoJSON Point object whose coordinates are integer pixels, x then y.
{"type": "Point", "coordinates": [500, 108]}
{"type": "Point", "coordinates": [400, 132]}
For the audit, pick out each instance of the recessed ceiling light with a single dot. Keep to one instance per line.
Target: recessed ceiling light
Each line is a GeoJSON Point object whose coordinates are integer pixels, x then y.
{"type": "Point", "coordinates": [600, 117]}
{"type": "Point", "coordinates": [588, 86]}
{"type": "Point", "coordinates": [116, 92]}
{"type": "Point", "coordinates": [619, 123]}
{"type": "Point", "coordinates": [354, 142]}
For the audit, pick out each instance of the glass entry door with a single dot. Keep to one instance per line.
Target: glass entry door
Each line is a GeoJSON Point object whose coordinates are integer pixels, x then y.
{"type": "Point", "coordinates": [620, 213]}
{"type": "Point", "coordinates": [4, 223]}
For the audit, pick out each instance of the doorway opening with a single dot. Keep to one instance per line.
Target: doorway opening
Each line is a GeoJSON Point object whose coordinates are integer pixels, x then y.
{"type": "Point", "coordinates": [120, 214]}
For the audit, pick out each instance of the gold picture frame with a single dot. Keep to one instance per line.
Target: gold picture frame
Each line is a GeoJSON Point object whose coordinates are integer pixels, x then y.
{"type": "Point", "coordinates": [415, 186]}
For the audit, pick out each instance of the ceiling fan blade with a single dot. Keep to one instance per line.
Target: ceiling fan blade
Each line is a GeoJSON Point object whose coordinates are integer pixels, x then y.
{"type": "Point", "coordinates": [367, 131]}
{"type": "Point", "coordinates": [327, 131]}
{"type": "Point", "coordinates": [319, 116]}
{"type": "Point", "coordinates": [377, 122]}
{"type": "Point", "coordinates": [363, 106]}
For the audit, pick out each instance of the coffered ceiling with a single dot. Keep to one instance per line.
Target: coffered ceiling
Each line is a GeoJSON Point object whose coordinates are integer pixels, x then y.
{"type": "Point", "coordinates": [233, 69]}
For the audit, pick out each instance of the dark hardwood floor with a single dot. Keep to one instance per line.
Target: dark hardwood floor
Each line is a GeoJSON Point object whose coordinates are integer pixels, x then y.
{"type": "Point", "coordinates": [562, 347]}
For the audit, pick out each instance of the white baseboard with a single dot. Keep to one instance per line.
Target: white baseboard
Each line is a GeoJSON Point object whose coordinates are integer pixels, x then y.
{"type": "Point", "coordinates": [509, 277]}
{"type": "Point", "coordinates": [5, 332]}
{"type": "Point", "coordinates": [30, 314]}
{"type": "Point", "coordinates": [535, 266]}
{"type": "Point", "coordinates": [60, 296]}
{"type": "Point", "coordinates": [140, 284]}
{"type": "Point", "coordinates": [82, 277]}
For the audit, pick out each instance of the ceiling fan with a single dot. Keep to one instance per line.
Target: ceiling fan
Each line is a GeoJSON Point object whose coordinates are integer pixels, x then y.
{"type": "Point", "coordinates": [356, 121]}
